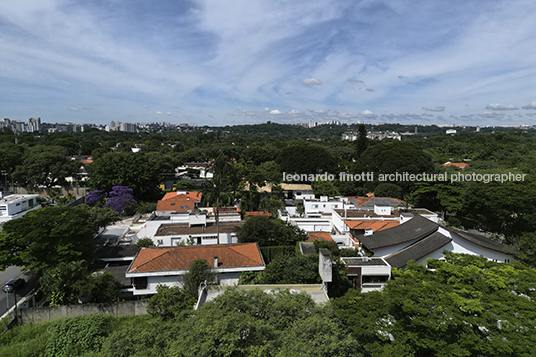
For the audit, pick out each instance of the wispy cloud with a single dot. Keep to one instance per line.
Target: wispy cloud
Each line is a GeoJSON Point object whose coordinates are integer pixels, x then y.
{"type": "Point", "coordinates": [497, 106]}
{"type": "Point", "coordinates": [112, 56]}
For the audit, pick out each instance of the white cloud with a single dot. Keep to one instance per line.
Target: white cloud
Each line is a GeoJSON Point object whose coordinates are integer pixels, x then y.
{"type": "Point", "coordinates": [74, 109]}
{"type": "Point", "coordinates": [312, 82]}
{"type": "Point", "coordinates": [437, 108]}
{"type": "Point", "coordinates": [496, 106]}
{"type": "Point", "coordinates": [367, 112]}
{"type": "Point", "coordinates": [275, 112]}
{"type": "Point", "coordinates": [531, 105]}
{"type": "Point", "coordinates": [352, 80]}
{"type": "Point", "coordinates": [158, 112]}
{"type": "Point", "coordinates": [294, 112]}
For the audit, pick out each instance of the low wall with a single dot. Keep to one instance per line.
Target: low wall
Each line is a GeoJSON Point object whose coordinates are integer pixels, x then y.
{"type": "Point", "coordinates": [77, 191]}
{"type": "Point", "coordinates": [123, 308]}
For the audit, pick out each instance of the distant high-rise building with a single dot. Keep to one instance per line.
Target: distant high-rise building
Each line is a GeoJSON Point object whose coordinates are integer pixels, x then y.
{"type": "Point", "coordinates": [34, 124]}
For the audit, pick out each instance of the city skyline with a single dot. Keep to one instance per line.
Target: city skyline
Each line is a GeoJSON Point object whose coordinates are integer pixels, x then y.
{"type": "Point", "coordinates": [246, 62]}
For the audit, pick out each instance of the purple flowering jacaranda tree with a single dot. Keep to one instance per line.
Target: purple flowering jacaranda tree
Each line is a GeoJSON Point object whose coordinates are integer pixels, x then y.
{"type": "Point", "coordinates": [120, 199]}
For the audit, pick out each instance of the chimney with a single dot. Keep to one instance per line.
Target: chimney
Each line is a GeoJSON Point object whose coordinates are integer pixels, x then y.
{"type": "Point", "coordinates": [215, 262]}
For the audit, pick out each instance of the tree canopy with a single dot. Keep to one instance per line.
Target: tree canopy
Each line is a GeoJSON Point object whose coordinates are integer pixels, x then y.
{"type": "Point", "coordinates": [46, 237]}
{"type": "Point", "coordinates": [468, 306]}
{"type": "Point", "coordinates": [269, 232]}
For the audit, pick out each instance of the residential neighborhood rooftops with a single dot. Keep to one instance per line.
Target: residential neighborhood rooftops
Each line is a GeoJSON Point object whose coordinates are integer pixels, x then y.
{"type": "Point", "coordinates": [180, 258]}
{"type": "Point", "coordinates": [418, 250]}
{"type": "Point", "coordinates": [415, 228]}
{"type": "Point", "coordinates": [210, 228]}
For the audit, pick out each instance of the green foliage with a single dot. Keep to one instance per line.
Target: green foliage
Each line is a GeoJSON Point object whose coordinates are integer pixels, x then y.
{"type": "Point", "coordinates": [301, 269]}
{"type": "Point", "coordinates": [331, 246]}
{"type": "Point", "coordinates": [168, 302]}
{"type": "Point", "coordinates": [47, 166]}
{"type": "Point", "coordinates": [184, 185]}
{"type": "Point", "coordinates": [146, 207]}
{"type": "Point", "coordinates": [68, 282]}
{"type": "Point", "coordinates": [349, 252]}
{"type": "Point", "coordinates": [269, 232]}
{"type": "Point", "coordinates": [46, 237]}
{"type": "Point", "coordinates": [388, 190]}
{"type": "Point", "coordinates": [139, 171]}
{"type": "Point", "coordinates": [28, 340]}
{"type": "Point", "coordinates": [271, 253]}
{"type": "Point", "coordinates": [199, 272]}
{"type": "Point", "coordinates": [467, 307]}
{"type": "Point", "coordinates": [304, 158]}
{"type": "Point", "coordinates": [253, 323]}
{"type": "Point", "coordinates": [100, 216]}
{"type": "Point", "coordinates": [325, 188]}
{"type": "Point", "coordinates": [524, 246]}
{"type": "Point", "coordinates": [77, 336]}
{"type": "Point", "coordinates": [362, 141]}
{"type": "Point", "coordinates": [144, 243]}
{"type": "Point", "coordinates": [506, 208]}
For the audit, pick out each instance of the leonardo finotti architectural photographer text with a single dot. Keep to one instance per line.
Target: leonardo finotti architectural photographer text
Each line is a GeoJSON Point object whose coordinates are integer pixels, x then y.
{"type": "Point", "coordinates": [405, 176]}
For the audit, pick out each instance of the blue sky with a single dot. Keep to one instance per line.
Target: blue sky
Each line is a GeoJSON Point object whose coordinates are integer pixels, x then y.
{"type": "Point", "coordinates": [246, 61]}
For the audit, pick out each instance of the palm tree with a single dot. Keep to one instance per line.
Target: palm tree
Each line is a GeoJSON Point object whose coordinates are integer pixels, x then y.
{"type": "Point", "coordinates": [219, 191]}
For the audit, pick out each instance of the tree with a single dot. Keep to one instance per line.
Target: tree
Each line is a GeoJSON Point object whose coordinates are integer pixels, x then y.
{"type": "Point", "coordinates": [302, 269]}
{"type": "Point", "coordinates": [325, 188]}
{"type": "Point", "coordinates": [254, 323]}
{"type": "Point", "coordinates": [168, 302]}
{"type": "Point", "coordinates": [141, 172]}
{"type": "Point", "coordinates": [269, 232]}
{"type": "Point", "coordinates": [66, 283]}
{"type": "Point", "coordinates": [219, 190]}
{"type": "Point", "coordinates": [362, 141]}
{"type": "Point", "coordinates": [121, 199]}
{"type": "Point", "coordinates": [144, 243]}
{"type": "Point", "coordinates": [46, 166]}
{"type": "Point", "coordinates": [388, 190]}
{"type": "Point", "coordinates": [199, 272]}
{"type": "Point", "coordinates": [46, 237]}
{"type": "Point", "coordinates": [306, 159]}
{"type": "Point", "coordinates": [468, 306]}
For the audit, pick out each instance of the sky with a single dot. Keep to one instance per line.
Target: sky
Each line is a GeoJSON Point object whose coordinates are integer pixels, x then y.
{"type": "Point", "coordinates": [214, 62]}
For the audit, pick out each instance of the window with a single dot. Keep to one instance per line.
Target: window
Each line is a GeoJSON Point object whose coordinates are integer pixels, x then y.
{"type": "Point", "coordinates": [140, 283]}
{"type": "Point", "coordinates": [172, 204]}
{"type": "Point", "coordinates": [184, 207]}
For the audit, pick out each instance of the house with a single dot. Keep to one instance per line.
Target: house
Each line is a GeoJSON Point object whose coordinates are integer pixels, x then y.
{"type": "Point", "coordinates": [168, 266]}
{"type": "Point", "coordinates": [202, 167]}
{"type": "Point", "coordinates": [174, 234]}
{"type": "Point", "coordinates": [458, 165]}
{"type": "Point", "coordinates": [367, 273]}
{"type": "Point", "coordinates": [420, 239]}
{"type": "Point", "coordinates": [179, 201]}
{"type": "Point", "coordinates": [16, 206]}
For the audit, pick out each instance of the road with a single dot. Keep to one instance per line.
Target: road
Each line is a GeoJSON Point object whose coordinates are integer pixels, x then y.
{"type": "Point", "coordinates": [10, 273]}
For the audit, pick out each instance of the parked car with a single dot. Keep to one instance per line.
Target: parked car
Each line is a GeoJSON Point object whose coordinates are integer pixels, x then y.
{"type": "Point", "coordinates": [13, 284]}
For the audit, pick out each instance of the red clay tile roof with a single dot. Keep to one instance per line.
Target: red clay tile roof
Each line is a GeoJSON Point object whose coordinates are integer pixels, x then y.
{"type": "Point", "coordinates": [325, 236]}
{"type": "Point", "coordinates": [180, 258]}
{"type": "Point", "coordinates": [460, 165]}
{"type": "Point", "coordinates": [375, 225]}
{"type": "Point", "coordinates": [173, 201]}
{"type": "Point", "coordinates": [258, 213]}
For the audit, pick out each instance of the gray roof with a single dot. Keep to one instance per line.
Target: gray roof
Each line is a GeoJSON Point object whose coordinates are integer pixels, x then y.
{"type": "Point", "coordinates": [418, 250]}
{"type": "Point", "coordinates": [482, 241]}
{"type": "Point", "coordinates": [117, 251]}
{"type": "Point", "coordinates": [307, 248]}
{"type": "Point", "coordinates": [415, 228]}
{"type": "Point", "coordinates": [363, 261]}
